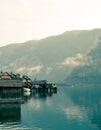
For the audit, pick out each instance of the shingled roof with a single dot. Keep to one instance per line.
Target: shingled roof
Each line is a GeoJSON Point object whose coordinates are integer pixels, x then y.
{"type": "Point", "coordinates": [10, 83]}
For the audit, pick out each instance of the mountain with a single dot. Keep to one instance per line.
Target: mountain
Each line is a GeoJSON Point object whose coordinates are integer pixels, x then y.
{"type": "Point", "coordinates": [50, 58]}
{"type": "Point", "coordinates": [89, 68]}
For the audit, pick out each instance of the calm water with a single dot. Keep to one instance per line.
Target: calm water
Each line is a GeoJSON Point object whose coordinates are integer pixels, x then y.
{"type": "Point", "coordinates": [70, 109]}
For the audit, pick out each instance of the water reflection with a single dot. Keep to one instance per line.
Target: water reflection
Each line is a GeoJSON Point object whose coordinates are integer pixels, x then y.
{"type": "Point", "coordinates": [40, 96]}
{"type": "Point", "coordinates": [43, 95]}
{"type": "Point", "coordinates": [34, 110]}
{"type": "Point", "coordinates": [72, 108]}
{"type": "Point", "coordinates": [10, 112]}
{"type": "Point", "coordinates": [86, 104]}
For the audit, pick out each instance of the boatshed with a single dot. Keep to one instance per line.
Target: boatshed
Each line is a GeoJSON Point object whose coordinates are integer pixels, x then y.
{"type": "Point", "coordinates": [10, 89]}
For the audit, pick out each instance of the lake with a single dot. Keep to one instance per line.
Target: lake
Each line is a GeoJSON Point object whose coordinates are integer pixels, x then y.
{"type": "Point", "coordinates": [72, 108]}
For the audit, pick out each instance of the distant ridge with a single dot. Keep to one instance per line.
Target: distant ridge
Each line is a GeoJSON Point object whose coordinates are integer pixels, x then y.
{"type": "Point", "coordinates": [44, 58]}
{"type": "Point", "coordinates": [90, 71]}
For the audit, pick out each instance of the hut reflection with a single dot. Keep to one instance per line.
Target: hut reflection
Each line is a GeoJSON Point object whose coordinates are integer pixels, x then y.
{"type": "Point", "coordinates": [44, 96]}
{"type": "Point", "coordinates": [10, 112]}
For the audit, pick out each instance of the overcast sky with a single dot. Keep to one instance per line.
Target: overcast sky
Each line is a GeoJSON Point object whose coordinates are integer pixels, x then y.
{"type": "Point", "coordinates": [22, 20]}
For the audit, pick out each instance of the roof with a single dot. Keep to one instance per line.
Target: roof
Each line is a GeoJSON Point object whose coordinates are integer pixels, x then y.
{"type": "Point", "coordinates": [40, 82]}
{"type": "Point", "coordinates": [10, 83]}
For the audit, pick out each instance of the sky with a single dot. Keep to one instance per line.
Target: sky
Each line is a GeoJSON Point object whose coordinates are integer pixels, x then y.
{"type": "Point", "coordinates": [23, 20]}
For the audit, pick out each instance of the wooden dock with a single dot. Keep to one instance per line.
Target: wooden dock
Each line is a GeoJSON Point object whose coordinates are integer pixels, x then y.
{"type": "Point", "coordinates": [42, 86]}
{"type": "Point", "coordinates": [12, 87]}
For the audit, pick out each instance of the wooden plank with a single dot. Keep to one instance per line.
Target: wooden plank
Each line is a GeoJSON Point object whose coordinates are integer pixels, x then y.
{"type": "Point", "coordinates": [5, 101]}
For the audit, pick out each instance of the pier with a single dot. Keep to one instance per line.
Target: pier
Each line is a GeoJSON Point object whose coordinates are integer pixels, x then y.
{"type": "Point", "coordinates": [42, 86]}
{"type": "Point", "coordinates": [13, 87]}
{"type": "Point", "coordinates": [10, 91]}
